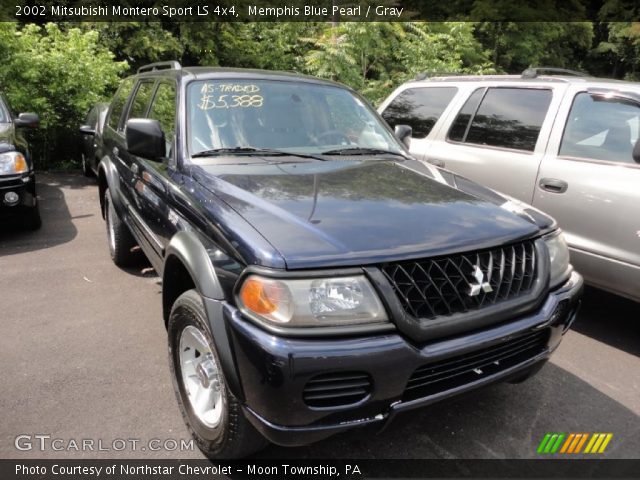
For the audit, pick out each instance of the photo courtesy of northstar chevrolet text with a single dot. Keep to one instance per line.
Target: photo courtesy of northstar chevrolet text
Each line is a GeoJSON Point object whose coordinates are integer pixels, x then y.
{"type": "Point", "coordinates": [375, 239]}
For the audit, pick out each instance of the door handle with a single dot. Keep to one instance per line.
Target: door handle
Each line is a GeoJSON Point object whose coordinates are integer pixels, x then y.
{"type": "Point", "coordinates": [553, 185]}
{"type": "Point", "coordinates": [436, 161]}
{"type": "Point", "coordinates": [115, 151]}
{"type": "Point", "coordinates": [134, 168]}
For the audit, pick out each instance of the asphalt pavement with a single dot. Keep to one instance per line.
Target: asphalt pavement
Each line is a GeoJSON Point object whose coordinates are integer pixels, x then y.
{"type": "Point", "coordinates": [84, 357]}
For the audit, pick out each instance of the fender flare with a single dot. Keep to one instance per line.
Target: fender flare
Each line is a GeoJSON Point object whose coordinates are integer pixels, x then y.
{"type": "Point", "coordinates": [189, 250]}
{"type": "Point", "coordinates": [112, 178]}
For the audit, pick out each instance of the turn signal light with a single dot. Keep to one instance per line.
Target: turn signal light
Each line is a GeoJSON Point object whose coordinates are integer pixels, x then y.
{"type": "Point", "coordinates": [260, 296]}
{"type": "Point", "coordinates": [20, 163]}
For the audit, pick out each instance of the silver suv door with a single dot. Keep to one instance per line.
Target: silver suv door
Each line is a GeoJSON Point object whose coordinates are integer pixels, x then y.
{"type": "Point", "coordinates": [590, 183]}
{"type": "Point", "coordinates": [498, 136]}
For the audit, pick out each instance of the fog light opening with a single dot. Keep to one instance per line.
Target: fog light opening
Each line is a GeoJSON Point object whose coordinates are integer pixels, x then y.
{"type": "Point", "coordinates": [11, 198]}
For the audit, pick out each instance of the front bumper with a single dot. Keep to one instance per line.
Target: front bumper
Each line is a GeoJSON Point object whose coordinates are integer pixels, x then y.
{"type": "Point", "coordinates": [24, 186]}
{"type": "Point", "coordinates": [274, 371]}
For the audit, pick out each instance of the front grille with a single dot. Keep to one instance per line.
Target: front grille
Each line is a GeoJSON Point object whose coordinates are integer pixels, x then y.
{"type": "Point", "coordinates": [337, 389]}
{"type": "Point", "coordinates": [460, 283]}
{"type": "Point", "coordinates": [454, 372]}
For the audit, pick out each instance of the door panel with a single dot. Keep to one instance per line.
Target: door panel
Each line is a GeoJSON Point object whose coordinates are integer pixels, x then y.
{"type": "Point", "coordinates": [498, 137]}
{"type": "Point", "coordinates": [152, 188]}
{"type": "Point", "coordinates": [599, 210]}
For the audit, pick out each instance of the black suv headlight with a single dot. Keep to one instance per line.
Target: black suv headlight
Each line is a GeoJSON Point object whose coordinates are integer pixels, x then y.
{"type": "Point", "coordinates": [13, 163]}
{"type": "Point", "coordinates": [314, 302]}
{"type": "Point", "coordinates": [559, 256]}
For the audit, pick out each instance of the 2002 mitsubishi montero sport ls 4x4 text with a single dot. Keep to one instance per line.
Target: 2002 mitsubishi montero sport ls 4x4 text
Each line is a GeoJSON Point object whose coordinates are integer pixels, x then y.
{"type": "Point", "coordinates": [315, 276]}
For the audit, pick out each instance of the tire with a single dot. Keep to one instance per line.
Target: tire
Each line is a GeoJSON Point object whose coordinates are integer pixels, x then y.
{"type": "Point", "coordinates": [86, 169]}
{"type": "Point", "coordinates": [119, 237]}
{"type": "Point", "coordinates": [32, 219]}
{"type": "Point", "coordinates": [218, 426]}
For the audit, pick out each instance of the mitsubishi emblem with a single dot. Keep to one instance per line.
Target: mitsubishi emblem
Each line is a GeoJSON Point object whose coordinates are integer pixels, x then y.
{"type": "Point", "coordinates": [481, 283]}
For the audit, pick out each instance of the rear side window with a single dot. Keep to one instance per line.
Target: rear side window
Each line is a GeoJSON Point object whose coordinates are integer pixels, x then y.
{"type": "Point", "coordinates": [420, 108]}
{"type": "Point", "coordinates": [601, 129]}
{"type": "Point", "coordinates": [506, 118]}
{"type": "Point", "coordinates": [4, 111]}
{"type": "Point", "coordinates": [118, 103]}
{"type": "Point", "coordinates": [141, 100]}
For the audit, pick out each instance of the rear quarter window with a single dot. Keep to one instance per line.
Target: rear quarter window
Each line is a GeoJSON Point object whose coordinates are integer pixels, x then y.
{"type": "Point", "coordinates": [4, 112]}
{"type": "Point", "coordinates": [420, 108]}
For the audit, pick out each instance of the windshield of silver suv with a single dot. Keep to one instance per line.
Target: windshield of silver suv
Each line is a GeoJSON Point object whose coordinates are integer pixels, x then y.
{"type": "Point", "coordinates": [292, 117]}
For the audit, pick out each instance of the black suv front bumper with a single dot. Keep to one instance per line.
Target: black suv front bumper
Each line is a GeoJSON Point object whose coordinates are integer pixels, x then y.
{"type": "Point", "coordinates": [24, 186]}
{"type": "Point", "coordinates": [291, 387]}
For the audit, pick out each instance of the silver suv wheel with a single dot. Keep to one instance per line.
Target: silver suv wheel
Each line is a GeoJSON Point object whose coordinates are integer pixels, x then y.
{"type": "Point", "coordinates": [201, 377]}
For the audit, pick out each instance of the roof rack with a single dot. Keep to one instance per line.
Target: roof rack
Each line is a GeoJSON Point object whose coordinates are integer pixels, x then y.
{"type": "Point", "coordinates": [425, 75]}
{"type": "Point", "coordinates": [534, 72]}
{"type": "Point", "coordinates": [171, 65]}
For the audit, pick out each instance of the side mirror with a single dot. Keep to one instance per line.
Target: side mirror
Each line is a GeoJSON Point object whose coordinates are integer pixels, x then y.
{"type": "Point", "coordinates": [636, 151]}
{"type": "Point", "coordinates": [27, 120]}
{"type": "Point", "coordinates": [145, 139]}
{"type": "Point", "coordinates": [87, 130]}
{"type": "Point", "coordinates": [403, 133]}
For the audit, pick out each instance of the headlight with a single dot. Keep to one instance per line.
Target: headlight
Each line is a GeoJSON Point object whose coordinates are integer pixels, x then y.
{"type": "Point", "coordinates": [318, 302]}
{"type": "Point", "coordinates": [12, 163]}
{"type": "Point", "coordinates": [559, 255]}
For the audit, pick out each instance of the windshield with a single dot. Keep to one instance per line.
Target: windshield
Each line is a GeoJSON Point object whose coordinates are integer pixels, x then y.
{"type": "Point", "coordinates": [294, 117]}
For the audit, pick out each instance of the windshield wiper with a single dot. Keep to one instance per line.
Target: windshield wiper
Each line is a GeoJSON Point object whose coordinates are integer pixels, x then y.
{"type": "Point", "coordinates": [363, 151]}
{"type": "Point", "coordinates": [253, 151]}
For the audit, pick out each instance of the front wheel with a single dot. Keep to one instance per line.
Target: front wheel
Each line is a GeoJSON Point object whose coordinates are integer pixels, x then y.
{"type": "Point", "coordinates": [211, 412]}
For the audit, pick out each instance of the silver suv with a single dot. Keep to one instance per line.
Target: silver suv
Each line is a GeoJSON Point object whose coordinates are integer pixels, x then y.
{"type": "Point", "coordinates": [565, 143]}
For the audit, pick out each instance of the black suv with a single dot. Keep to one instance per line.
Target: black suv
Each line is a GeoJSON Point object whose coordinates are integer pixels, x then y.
{"type": "Point", "coordinates": [18, 200]}
{"type": "Point", "coordinates": [315, 276]}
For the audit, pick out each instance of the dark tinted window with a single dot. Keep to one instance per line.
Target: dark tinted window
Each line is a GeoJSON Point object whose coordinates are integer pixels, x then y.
{"type": "Point", "coordinates": [509, 118]}
{"type": "Point", "coordinates": [118, 103]}
{"type": "Point", "coordinates": [459, 128]}
{"type": "Point", "coordinates": [601, 129]}
{"type": "Point", "coordinates": [141, 100]}
{"type": "Point", "coordinates": [419, 108]}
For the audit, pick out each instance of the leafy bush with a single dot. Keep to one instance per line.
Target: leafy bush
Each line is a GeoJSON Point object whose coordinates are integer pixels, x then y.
{"type": "Point", "coordinates": [58, 74]}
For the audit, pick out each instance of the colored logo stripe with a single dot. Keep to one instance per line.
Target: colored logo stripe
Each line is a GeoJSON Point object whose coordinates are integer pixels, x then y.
{"type": "Point", "coordinates": [573, 443]}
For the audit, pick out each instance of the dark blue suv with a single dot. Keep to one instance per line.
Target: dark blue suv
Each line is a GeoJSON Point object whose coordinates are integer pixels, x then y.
{"type": "Point", "coordinates": [316, 277]}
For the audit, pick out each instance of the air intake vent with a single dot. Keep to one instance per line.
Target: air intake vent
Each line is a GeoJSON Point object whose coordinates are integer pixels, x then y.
{"type": "Point", "coordinates": [453, 372]}
{"type": "Point", "coordinates": [337, 389]}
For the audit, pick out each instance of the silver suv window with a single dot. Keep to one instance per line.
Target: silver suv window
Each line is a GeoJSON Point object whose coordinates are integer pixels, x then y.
{"type": "Point", "coordinates": [601, 129]}
{"type": "Point", "coordinates": [420, 108]}
{"type": "Point", "coordinates": [4, 111]}
{"type": "Point", "coordinates": [502, 117]}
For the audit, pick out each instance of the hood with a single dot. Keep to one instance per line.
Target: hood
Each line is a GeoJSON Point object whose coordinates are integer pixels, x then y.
{"type": "Point", "coordinates": [358, 212]}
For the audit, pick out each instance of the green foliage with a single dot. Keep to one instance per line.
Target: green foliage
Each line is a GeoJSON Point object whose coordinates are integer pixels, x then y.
{"type": "Point", "coordinates": [375, 57]}
{"type": "Point", "coordinates": [59, 75]}
{"type": "Point", "coordinates": [60, 70]}
{"type": "Point", "coordinates": [516, 46]}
